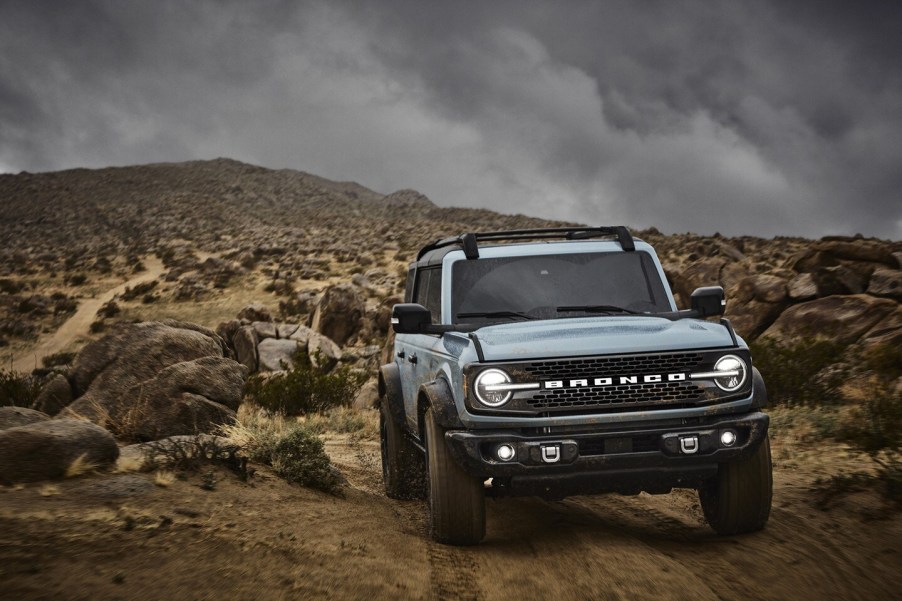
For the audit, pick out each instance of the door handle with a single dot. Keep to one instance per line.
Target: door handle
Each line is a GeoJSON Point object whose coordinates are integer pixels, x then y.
{"type": "Point", "coordinates": [412, 358]}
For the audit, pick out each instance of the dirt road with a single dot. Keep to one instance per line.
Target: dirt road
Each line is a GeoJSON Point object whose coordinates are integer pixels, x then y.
{"type": "Point", "coordinates": [106, 537]}
{"type": "Point", "coordinates": [80, 322]}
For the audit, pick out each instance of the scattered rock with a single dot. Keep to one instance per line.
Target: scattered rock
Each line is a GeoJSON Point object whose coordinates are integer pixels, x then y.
{"type": "Point", "coordinates": [858, 250]}
{"type": "Point", "coordinates": [45, 450]}
{"type": "Point", "coordinates": [886, 282]}
{"type": "Point", "coordinates": [339, 313]}
{"type": "Point", "coordinates": [265, 329]}
{"type": "Point", "coordinates": [367, 397]}
{"type": "Point", "coordinates": [55, 396]}
{"type": "Point", "coordinates": [245, 344]}
{"type": "Point", "coordinates": [324, 353]}
{"type": "Point", "coordinates": [802, 287]}
{"type": "Point", "coordinates": [276, 355]}
{"type": "Point", "coordinates": [255, 312]}
{"type": "Point", "coordinates": [842, 318]}
{"type": "Point", "coordinates": [839, 280]}
{"type": "Point", "coordinates": [13, 417]}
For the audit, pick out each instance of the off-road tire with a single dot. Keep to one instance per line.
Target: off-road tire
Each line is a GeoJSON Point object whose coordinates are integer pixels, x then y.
{"type": "Point", "coordinates": [456, 500]}
{"type": "Point", "coordinates": [403, 466]}
{"type": "Point", "coordinates": [738, 500]}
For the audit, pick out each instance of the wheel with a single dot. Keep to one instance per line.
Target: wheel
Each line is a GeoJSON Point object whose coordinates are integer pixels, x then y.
{"type": "Point", "coordinates": [738, 499]}
{"type": "Point", "coordinates": [403, 467]}
{"type": "Point", "coordinates": [456, 500]}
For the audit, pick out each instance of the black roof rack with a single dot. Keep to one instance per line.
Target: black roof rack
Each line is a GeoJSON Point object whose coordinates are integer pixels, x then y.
{"type": "Point", "coordinates": [469, 241]}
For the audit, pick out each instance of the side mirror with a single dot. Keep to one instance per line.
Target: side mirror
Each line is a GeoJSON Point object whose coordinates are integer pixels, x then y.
{"type": "Point", "coordinates": [709, 301]}
{"type": "Point", "coordinates": [410, 318]}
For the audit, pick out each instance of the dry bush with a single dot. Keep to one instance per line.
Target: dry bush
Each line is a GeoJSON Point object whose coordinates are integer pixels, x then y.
{"type": "Point", "coordinates": [18, 390]}
{"type": "Point", "coordinates": [80, 467]}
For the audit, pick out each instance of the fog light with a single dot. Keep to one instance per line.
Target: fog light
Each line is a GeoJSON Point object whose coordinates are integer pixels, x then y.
{"type": "Point", "coordinates": [504, 452]}
{"type": "Point", "coordinates": [728, 438]}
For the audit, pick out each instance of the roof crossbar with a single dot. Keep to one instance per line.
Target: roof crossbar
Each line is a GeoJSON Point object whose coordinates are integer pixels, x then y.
{"type": "Point", "coordinates": [469, 241]}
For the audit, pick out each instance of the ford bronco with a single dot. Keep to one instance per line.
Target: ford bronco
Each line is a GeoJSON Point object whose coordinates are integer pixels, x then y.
{"type": "Point", "coordinates": [554, 362]}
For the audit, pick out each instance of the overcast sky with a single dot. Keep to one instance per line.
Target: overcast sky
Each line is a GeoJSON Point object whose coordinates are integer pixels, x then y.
{"type": "Point", "coordinates": [746, 117]}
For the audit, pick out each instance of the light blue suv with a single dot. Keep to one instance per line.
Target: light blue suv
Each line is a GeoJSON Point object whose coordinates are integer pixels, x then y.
{"type": "Point", "coordinates": [554, 362]}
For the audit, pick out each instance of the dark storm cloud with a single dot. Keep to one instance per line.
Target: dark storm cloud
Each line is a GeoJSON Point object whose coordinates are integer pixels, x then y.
{"type": "Point", "coordinates": [739, 117]}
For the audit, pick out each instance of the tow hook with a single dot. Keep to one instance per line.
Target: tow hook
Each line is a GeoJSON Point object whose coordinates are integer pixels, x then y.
{"type": "Point", "coordinates": [689, 445]}
{"type": "Point", "coordinates": [551, 453]}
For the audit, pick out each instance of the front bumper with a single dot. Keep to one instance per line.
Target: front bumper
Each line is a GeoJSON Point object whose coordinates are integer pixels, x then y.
{"type": "Point", "coordinates": [622, 460]}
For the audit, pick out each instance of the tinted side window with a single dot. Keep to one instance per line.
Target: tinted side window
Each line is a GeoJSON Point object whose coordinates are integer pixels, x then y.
{"type": "Point", "coordinates": [408, 289]}
{"type": "Point", "coordinates": [428, 291]}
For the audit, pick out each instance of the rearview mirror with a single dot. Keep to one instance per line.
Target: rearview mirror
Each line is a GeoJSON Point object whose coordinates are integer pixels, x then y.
{"type": "Point", "coordinates": [708, 301]}
{"type": "Point", "coordinates": [410, 318]}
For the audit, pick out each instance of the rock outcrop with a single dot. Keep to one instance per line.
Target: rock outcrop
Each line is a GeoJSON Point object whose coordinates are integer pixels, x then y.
{"type": "Point", "coordinates": [156, 379]}
{"type": "Point", "coordinates": [47, 449]}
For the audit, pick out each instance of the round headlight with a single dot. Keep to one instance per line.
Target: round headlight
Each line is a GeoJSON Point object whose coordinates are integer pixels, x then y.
{"type": "Point", "coordinates": [734, 373]}
{"type": "Point", "coordinates": [484, 384]}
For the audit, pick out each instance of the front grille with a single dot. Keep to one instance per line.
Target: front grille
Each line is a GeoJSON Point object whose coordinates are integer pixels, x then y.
{"type": "Point", "coordinates": [614, 366]}
{"type": "Point", "coordinates": [632, 395]}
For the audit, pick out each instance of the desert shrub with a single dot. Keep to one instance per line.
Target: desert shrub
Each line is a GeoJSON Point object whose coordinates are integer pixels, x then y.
{"type": "Point", "coordinates": [876, 428]}
{"type": "Point", "coordinates": [304, 389]}
{"type": "Point", "coordinates": [191, 453]}
{"type": "Point", "coordinates": [58, 359]}
{"type": "Point", "coordinates": [293, 451]}
{"type": "Point", "coordinates": [299, 457]}
{"type": "Point", "coordinates": [139, 290]}
{"type": "Point", "coordinates": [884, 361]}
{"type": "Point", "coordinates": [77, 279]}
{"type": "Point", "coordinates": [109, 309]}
{"type": "Point", "coordinates": [807, 372]}
{"type": "Point", "coordinates": [18, 390]}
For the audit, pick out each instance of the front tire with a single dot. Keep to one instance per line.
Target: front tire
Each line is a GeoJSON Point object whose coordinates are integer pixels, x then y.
{"type": "Point", "coordinates": [456, 499]}
{"type": "Point", "coordinates": [403, 468]}
{"type": "Point", "coordinates": [738, 500]}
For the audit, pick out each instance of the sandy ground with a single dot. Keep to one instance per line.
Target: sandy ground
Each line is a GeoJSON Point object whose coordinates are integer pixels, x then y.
{"type": "Point", "coordinates": [123, 537]}
{"type": "Point", "coordinates": [78, 325]}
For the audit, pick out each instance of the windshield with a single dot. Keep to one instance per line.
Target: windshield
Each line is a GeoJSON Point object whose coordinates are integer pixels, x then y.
{"type": "Point", "coordinates": [553, 286]}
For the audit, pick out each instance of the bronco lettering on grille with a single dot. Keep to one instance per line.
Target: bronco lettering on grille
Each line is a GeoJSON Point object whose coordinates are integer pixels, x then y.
{"type": "Point", "coordinates": [611, 381]}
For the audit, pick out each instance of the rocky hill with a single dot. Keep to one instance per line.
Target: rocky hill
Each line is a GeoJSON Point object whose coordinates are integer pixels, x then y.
{"type": "Point", "coordinates": [228, 230]}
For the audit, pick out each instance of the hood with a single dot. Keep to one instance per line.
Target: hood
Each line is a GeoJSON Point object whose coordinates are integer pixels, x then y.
{"type": "Point", "coordinates": [598, 336]}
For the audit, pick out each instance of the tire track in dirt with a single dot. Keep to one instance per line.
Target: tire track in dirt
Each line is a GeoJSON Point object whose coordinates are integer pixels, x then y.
{"type": "Point", "coordinates": [454, 574]}
{"type": "Point", "coordinates": [80, 322]}
{"type": "Point", "coordinates": [557, 550]}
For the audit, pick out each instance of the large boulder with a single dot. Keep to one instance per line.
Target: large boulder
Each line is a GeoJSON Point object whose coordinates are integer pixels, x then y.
{"type": "Point", "coordinates": [886, 282]}
{"type": "Point", "coordinates": [701, 273]}
{"type": "Point", "coordinates": [276, 355]}
{"type": "Point", "coordinates": [339, 313]}
{"type": "Point", "coordinates": [46, 449]}
{"type": "Point", "coordinates": [244, 341]}
{"type": "Point", "coordinates": [324, 353]}
{"type": "Point", "coordinates": [157, 379]}
{"type": "Point", "coordinates": [13, 417]}
{"type": "Point", "coordinates": [133, 353]}
{"type": "Point", "coordinates": [858, 250]}
{"type": "Point", "coordinates": [255, 312]}
{"type": "Point", "coordinates": [184, 398]}
{"type": "Point", "coordinates": [845, 319]}
{"type": "Point", "coordinates": [55, 396]}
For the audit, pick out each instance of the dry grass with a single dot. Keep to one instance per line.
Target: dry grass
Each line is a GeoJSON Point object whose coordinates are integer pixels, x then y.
{"type": "Point", "coordinates": [49, 490]}
{"type": "Point", "coordinates": [164, 478]}
{"type": "Point", "coordinates": [80, 467]}
{"type": "Point", "coordinates": [127, 464]}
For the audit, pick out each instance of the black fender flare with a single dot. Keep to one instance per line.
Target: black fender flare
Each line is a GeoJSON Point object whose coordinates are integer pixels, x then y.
{"type": "Point", "coordinates": [437, 394]}
{"type": "Point", "coordinates": [390, 391]}
{"type": "Point", "coordinates": [759, 390]}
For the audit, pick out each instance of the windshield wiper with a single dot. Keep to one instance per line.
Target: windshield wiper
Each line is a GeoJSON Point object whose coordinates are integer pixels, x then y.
{"type": "Point", "coordinates": [597, 309]}
{"type": "Point", "coordinates": [508, 314]}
